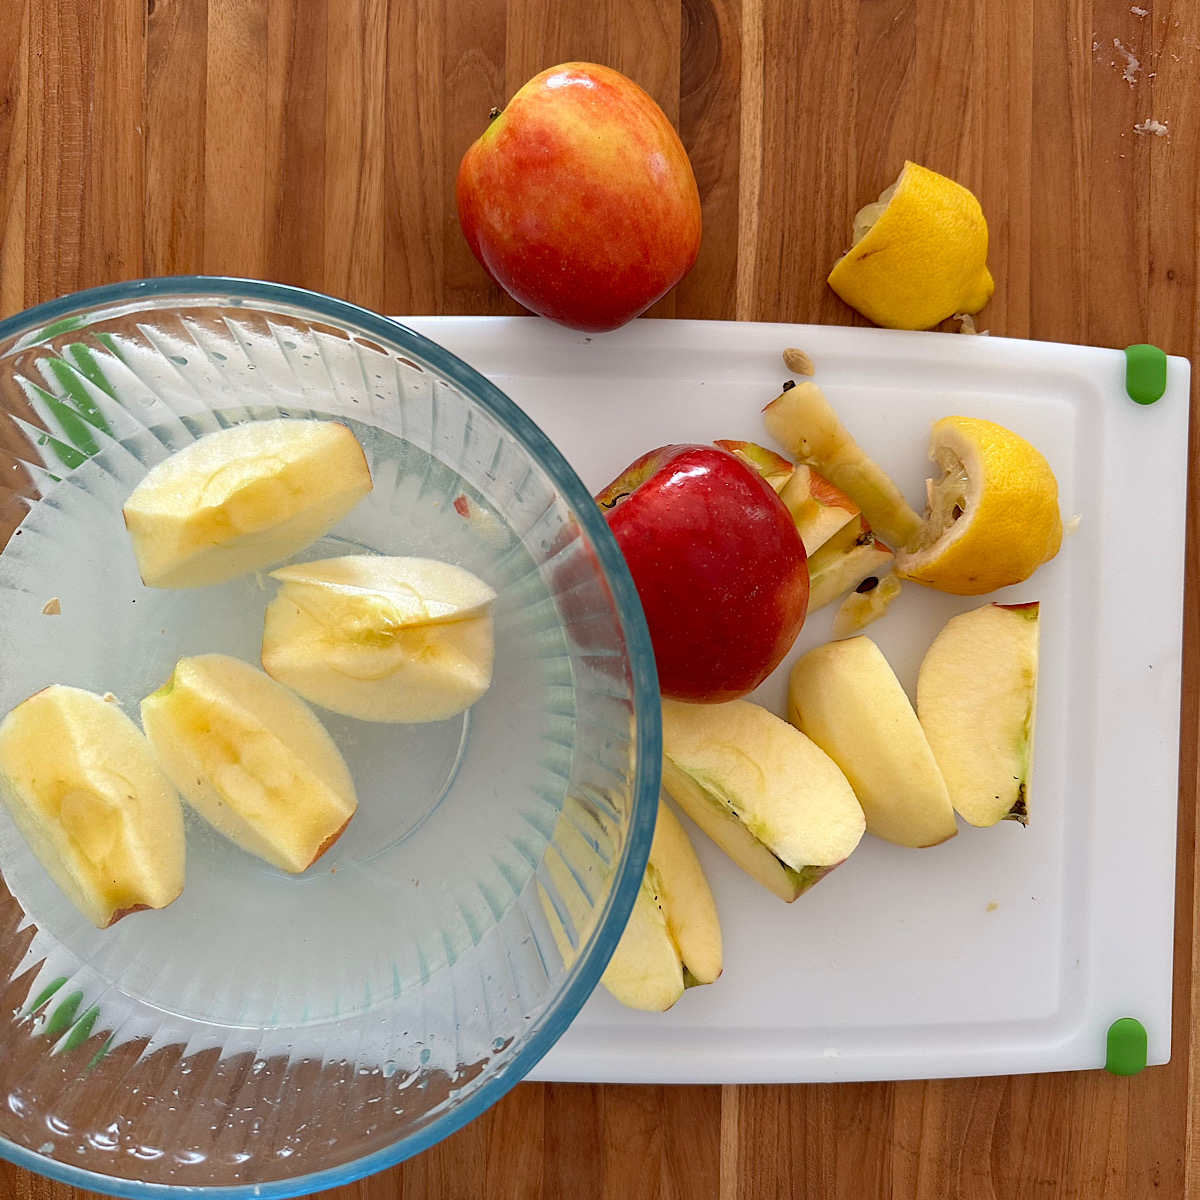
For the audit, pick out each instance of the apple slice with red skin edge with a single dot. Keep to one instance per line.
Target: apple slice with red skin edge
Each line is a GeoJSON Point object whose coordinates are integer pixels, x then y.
{"type": "Point", "coordinates": [847, 698]}
{"type": "Point", "coordinates": [819, 509]}
{"type": "Point", "coordinates": [977, 702]}
{"type": "Point", "coordinates": [718, 564]}
{"type": "Point", "coordinates": [804, 423]}
{"type": "Point", "coordinates": [762, 790]}
{"type": "Point", "coordinates": [774, 468]}
{"type": "Point", "coordinates": [851, 557]}
{"type": "Point", "coordinates": [86, 793]}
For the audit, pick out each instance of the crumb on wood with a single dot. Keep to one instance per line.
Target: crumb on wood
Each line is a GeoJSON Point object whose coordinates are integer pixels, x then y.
{"type": "Point", "coordinates": [1157, 128]}
{"type": "Point", "coordinates": [52, 607]}
{"type": "Point", "coordinates": [798, 362]}
{"type": "Point", "coordinates": [1132, 66]}
{"type": "Point", "coordinates": [1139, 12]}
{"type": "Point", "coordinates": [966, 324]}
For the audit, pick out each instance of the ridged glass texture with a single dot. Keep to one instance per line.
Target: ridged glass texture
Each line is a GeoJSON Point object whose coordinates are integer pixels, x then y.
{"type": "Point", "coordinates": [266, 1034]}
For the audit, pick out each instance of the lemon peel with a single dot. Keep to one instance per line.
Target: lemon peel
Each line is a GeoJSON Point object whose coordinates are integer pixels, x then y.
{"type": "Point", "coordinates": [993, 515]}
{"type": "Point", "coordinates": [919, 254]}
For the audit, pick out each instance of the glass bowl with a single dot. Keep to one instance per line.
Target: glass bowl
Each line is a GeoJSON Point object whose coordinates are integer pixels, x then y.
{"type": "Point", "coordinates": [266, 1034]}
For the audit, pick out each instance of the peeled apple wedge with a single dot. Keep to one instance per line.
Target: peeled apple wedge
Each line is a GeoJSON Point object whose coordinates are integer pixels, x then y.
{"type": "Point", "coordinates": [672, 940]}
{"type": "Point", "coordinates": [84, 790]}
{"type": "Point", "coordinates": [805, 424]}
{"type": "Point", "coordinates": [251, 759]}
{"type": "Point", "coordinates": [977, 699]}
{"type": "Point", "coordinates": [846, 697]}
{"type": "Point", "coordinates": [770, 798]}
{"type": "Point", "coordinates": [381, 639]}
{"type": "Point", "coordinates": [242, 499]}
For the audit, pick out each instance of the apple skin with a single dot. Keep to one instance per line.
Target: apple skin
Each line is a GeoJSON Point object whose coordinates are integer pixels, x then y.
{"type": "Point", "coordinates": [579, 199]}
{"type": "Point", "coordinates": [719, 566]}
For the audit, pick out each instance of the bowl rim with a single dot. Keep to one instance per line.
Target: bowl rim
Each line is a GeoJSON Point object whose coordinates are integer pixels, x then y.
{"type": "Point", "coordinates": [647, 718]}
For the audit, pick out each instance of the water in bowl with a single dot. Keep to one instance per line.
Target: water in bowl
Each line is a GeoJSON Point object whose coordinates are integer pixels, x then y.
{"type": "Point", "coordinates": [453, 816]}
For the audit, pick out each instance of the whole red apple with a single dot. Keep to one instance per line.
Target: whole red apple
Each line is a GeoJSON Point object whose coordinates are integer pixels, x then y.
{"type": "Point", "coordinates": [579, 199]}
{"type": "Point", "coordinates": [719, 566]}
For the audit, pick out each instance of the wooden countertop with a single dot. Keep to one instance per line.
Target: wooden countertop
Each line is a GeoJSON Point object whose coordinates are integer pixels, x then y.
{"type": "Point", "coordinates": [316, 142]}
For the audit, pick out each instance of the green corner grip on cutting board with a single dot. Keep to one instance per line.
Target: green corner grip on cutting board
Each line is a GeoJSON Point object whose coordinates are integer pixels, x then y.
{"type": "Point", "coordinates": [1145, 373]}
{"type": "Point", "coordinates": [1126, 1047]}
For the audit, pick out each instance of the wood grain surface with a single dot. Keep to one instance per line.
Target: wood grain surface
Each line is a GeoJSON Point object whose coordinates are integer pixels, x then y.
{"type": "Point", "coordinates": [316, 142]}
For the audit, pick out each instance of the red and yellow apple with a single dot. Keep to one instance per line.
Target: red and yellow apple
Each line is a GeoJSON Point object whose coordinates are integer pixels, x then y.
{"type": "Point", "coordinates": [579, 200]}
{"type": "Point", "coordinates": [718, 564]}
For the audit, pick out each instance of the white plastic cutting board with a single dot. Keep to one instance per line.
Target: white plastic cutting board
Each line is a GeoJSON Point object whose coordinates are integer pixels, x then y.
{"type": "Point", "coordinates": [1005, 950]}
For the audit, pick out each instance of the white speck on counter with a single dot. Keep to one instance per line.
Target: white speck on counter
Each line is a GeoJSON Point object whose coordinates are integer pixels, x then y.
{"type": "Point", "coordinates": [1140, 12]}
{"type": "Point", "coordinates": [1132, 66]}
{"type": "Point", "coordinates": [1158, 128]}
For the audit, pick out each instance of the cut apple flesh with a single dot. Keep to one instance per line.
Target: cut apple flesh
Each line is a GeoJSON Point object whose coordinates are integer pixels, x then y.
{"type": "Point", "coordinates": [869, 601]}
{"type": "Point", "coordinates": [774, 468]}
{"type": "Point", "coordinates": [382, 639]}
{"type": "Point", "coordinates": [84, 790]}
{"type": "Point", "coordinates": [977, 700]}
{"type": "Point", "coordinates": [818, 508]}
{"type": "Point", "coordinates": [772, 800]}
{"type": "Point", "coordinates": [251, 759]}
{"type": "Point", "coordinates": [846, 697]}
{"type": "Point", "coordinates": [673, 938]}
{"type": "Point", "coordinates": [845, 561]}
{"type": "Point", "coordinates": [242, 499]}
{"type": "Point", "coordinates": [805, 424]}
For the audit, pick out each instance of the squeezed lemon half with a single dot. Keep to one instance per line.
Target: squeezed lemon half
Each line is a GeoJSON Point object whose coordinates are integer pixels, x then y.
{"type": "Point", "coordinates": [919, 254]}
{"type": "Point", "coordinates": [993, 514]}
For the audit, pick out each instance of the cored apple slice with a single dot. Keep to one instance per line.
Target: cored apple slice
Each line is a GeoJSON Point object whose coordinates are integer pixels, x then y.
{"type": "Point", "coordinates": [977, 699]}
{"type": "Point", "coordinates": [850, 557]}
{"type": "Point", "coordinates": [84, 790]}
{"type": "Point", "coordinates": [846, 697]}
{"type": "Point", "coordinates": [251, 759]}
{"type": "Point", "coordinates": [805, 424]}
{"type": "Point", "coordinates": [243, 498]}
{"type": "Point", "coordinates": [672, 940]}
{"type": "Point", "coordinates": [381, 639]}
{"type": "Point", "coordinates": [773, 801]}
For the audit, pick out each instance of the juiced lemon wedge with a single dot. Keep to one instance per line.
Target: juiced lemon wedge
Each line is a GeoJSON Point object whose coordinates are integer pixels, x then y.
{"type": "Point", "coordinates": [993, 514]}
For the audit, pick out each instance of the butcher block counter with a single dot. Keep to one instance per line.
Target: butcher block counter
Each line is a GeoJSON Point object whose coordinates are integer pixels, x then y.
{"type": "Point", "coordinates": [316, 142]}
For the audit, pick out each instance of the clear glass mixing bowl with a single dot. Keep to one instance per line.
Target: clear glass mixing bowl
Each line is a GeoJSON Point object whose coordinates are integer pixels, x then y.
{"type": "Point", "coordinates": [267, 1034]}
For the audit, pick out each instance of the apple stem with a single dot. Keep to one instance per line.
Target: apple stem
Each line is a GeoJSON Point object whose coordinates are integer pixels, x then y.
{"type": "Point", "coordinates": [493, 114]}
